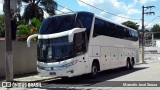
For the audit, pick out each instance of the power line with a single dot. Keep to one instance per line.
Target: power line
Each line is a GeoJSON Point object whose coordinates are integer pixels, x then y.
{"type": "Point", "coordinates": [60, 11]}
{"type": "Point", "coordinates": [65, 7]}
{"type": "Point", "coordinates": [151, 21]}
{"type": "Point", "coordinates": [106, 11]}
{"type": "Point", "coordinates": [139, 21]}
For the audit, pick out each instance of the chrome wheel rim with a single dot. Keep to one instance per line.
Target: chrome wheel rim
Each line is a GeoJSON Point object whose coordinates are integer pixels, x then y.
{"type": "Point", "coordinates": [94, 70]}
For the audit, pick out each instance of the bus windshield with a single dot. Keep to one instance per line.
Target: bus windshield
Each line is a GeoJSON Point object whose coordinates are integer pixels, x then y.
{"type": "Point", "coordinates": [54, 50]}
{"type": "Point", "coordinates": [57, 24]}
{"type": "Point", "coordinates": [58, 49]}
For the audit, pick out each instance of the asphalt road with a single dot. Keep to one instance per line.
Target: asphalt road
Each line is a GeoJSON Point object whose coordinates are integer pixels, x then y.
{"type": "Point", "coordinates": [112, 79]}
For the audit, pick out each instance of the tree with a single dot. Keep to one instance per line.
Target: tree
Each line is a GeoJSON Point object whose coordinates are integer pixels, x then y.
{"type": "Point", "coordinates": [35, 9]}
{"type": "Point", "coordinates": [49, 6]}
{"type": "Point", "coordinates": [131, 24]}
{"type": "Point", "coordinates": [32, 10]}
{"type": "Point", "coordinates": [2, 30]}
{"type": "Point", "coordinates": [156, 28]}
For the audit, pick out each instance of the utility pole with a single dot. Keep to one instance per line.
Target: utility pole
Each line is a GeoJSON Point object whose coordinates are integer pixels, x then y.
{"type": "Point", "coordinates": [143, 12]}
{"type": "Point", "coordinates": [152, 39]}
{"type": "Point", "coordinates": [8, 42]}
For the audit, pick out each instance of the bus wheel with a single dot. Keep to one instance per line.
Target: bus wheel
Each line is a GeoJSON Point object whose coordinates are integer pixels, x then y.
{"type": "Point", "coordinates": [64, 78]}
{"type": "Point", "coordinates": [127, 65]}
{"type": "Point", "coordinates": [131, 64]}
{"type": "Point", "coordinates": [94, 70]}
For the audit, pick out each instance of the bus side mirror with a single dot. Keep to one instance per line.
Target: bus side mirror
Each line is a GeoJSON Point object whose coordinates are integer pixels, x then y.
{"type": "Point", "coordinates": [30, 38]}
{"type": "Point", "coordinates": [72, 32]}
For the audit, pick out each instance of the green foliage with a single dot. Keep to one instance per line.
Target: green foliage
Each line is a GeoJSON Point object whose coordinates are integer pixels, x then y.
{"type": "Point", "coordinates": [156, 28]}
{"type": "Point", "coordinates": [36, 22]}
{"type": "Point", "coordinates": [131, 24]}
{"type": "Point", "coordinates": [23, 30]}
{"type": "Point", "coordinates": [2, 29]}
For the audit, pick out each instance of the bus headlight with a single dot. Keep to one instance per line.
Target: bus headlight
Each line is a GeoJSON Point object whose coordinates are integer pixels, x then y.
{"type": "Point", "coordinates": [57, 68]}
{"type": "Point", "coordinates": [70, 64]}
{"type": "Point", "coordinates": [50, 68]}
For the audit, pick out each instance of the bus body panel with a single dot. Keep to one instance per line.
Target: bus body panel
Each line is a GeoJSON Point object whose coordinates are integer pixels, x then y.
{"type": "Point", "coordinates": [119, 50]}
{"type": "Point", "coordinates": [82, 65]}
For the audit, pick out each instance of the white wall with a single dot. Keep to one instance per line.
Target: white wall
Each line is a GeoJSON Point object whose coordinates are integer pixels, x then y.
{"type": "Point", "coordinates": [24, 58]}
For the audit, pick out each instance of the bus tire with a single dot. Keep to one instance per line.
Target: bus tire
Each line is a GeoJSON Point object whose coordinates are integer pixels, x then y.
{"type": "Point", "coordinates": [64, 78]}
{"type": "Point", "coordinates": [131, 63]}
{"type": "Point", "coordinates": [94, 70]}
{"type": "Point", "coordinates": [127, 64]}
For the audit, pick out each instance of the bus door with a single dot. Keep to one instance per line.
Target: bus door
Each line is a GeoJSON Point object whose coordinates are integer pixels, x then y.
{"type": "Point", "coordinates": [105, 58]}
{"type": "Point", "coordinates": [114, 57]}
{"type": "Point", "coordinates": [80, 48]}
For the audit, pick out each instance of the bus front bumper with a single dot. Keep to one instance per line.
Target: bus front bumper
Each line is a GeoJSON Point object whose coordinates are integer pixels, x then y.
{"type": "Point", "coordinates": [58, 73]}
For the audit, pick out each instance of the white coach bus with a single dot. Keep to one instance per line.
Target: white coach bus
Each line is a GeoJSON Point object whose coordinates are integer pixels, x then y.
{"type": "Point", "coordinates": [82, 43]}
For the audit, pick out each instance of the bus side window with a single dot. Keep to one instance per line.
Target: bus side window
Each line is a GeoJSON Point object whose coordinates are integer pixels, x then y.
{"type": "Point", "coordinates": [84, 20]}
{"type": "Point", "coordinates": [98, 27]}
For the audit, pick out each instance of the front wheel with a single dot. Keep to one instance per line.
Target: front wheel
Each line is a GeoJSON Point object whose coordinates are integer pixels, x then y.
{"type": "Point", "coordinates": [94, 70]}
{"type": "Point", "coordinates": [64, 78]}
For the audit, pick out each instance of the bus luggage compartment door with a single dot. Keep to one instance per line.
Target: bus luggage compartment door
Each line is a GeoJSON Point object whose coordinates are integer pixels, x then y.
{"type": "Point", "coordinates": [105, 58]}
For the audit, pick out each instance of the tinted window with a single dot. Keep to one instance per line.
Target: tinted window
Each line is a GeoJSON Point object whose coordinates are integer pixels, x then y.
{"type": "Point", "coordinates": [84, 20]}
{"type": "Point", "coordinates": [54, 50]}
{"type": "Point", "coordinates": [116, 31]}
{"type": "Point", "coordinates": [80, 46]}
{"type": "Point", "coordinates": [57, 24]}
{"type": "Point", "coordinates": [102, 27]}
{"type": "Point", "coordinates": [97, 27]}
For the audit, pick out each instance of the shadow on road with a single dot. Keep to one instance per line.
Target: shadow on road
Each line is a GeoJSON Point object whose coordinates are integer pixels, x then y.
{"type": "Point", "coordinates": [84, 80]}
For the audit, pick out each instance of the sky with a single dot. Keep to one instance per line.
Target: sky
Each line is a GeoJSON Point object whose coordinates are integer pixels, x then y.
{"type": "Point", "coordinates": [124, 9]}
{"type": "Point", "coordinates": [131, 9]}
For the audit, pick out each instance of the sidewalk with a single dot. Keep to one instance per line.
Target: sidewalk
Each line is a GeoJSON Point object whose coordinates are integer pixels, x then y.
{"type": "Point", "coordinates": [2, 39]}
{"type": "Point", "coordinates": [30, 78]}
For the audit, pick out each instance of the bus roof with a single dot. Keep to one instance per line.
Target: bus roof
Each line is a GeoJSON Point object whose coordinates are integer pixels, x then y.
{"type": "Point", "coordinates": [95, 16]}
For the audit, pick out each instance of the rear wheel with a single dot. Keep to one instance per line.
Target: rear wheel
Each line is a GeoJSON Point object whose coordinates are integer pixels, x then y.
{"type": "Point", "coordinates": [131, 64]}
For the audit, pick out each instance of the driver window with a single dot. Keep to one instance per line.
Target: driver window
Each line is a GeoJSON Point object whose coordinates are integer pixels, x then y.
{"type": "Point", "coordinates": [80, 43]}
